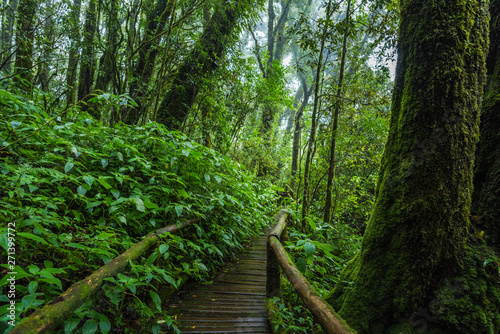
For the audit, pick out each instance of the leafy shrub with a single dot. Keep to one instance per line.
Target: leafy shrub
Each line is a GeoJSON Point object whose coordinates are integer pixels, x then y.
{"type": "Point", "coordinates": [80, 193]}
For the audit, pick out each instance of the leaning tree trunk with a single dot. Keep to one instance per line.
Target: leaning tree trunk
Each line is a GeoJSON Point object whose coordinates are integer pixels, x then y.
{"type": "Point", "coordinates": [486, 198]}
{"type": "Point", "coordinates": [416, 237]}
{"type": "Point", "coordinates": [202, 61]}
{"type": "Point", "coordinates": [25, 34]}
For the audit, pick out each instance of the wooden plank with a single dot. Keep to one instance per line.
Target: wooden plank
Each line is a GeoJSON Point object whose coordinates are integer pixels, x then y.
{"type": "Point", "coordinates": [234, 302]}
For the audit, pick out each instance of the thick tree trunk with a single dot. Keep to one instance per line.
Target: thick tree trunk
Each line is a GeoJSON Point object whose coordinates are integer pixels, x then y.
{"type": "Point", "coordinates": [87, 60]}
{"type": "Point", "coordinates": [486, 198]}
{"type": "Point", "coordinates": [25, 35]}
{"type": "Point", "coordinates": [202, 61]}
{"type": "Point", "coordinates": [416, 237]}
{"type": "Point", "coordinates": [338, 104]}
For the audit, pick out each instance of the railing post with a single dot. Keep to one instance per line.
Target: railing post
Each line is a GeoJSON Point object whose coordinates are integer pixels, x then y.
{"type": "Point", "coordinates": [273, 281]}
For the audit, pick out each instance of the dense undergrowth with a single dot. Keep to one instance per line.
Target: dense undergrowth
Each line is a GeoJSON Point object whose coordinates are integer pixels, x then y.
{"type": "Point", "coordinates": [79, 193]}
{"type": "Point", "coordinates": [321, 256]}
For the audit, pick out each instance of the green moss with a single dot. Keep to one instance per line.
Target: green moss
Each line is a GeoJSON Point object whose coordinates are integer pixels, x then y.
{"type": "Point", "coordinates": [471, 301]}
{"type": "Point", "coordinates": [416, 237]}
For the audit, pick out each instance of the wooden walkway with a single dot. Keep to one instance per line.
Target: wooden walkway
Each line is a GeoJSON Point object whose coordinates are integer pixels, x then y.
{"type": "Point", "coordinates": [234, 303]}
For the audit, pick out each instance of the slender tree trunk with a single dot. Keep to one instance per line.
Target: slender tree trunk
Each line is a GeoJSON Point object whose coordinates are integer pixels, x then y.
{"type": "Point", "coordinates": [148, 52]}
{"type": "Point", "coordinates": [7, 52]}
{"type": "Point", "coordinates": [87, 60]}
{"type": "Point", "coordinates": [25, 35]}
{"type": "Point", "coordinates": [312, 137]}
{"type": "Point", "coordinates": [71, 83]}
{"type": "Point", "coordinates": [202, 61]}
{"type": "Point", "coordinates": [486, 198]}
{"type": "Point", "coordinates": [46, 47]}
{"type": "Point", "coordinates": [107, 63]}
{"type": "Point", "coordinates": [415, 240]}
{"type": "Point", "coordinates": [297, 131]}
{"type": "Point", "coordinates": [338, 106]}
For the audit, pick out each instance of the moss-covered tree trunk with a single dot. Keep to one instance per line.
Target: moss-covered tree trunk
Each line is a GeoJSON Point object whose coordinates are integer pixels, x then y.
{"type": "Point", "coordinates": [74, 34]}
{"type": "Point", "coordinates": [6, 51]}
{"type": "Point", "coordinates": [25, 35]}
{"type": "Point", "coordinates": [87, 60]}
{"type": "Point", "coordinates": [107, 62]}
{"type": "Point", "coordinates": [486, 198]}
{"type": "Point", "coordinates": [416, 236]}
{"type": "Point", "coordinates": [148, 51]}
{"type": "Point", "coordinates": [202, 61]}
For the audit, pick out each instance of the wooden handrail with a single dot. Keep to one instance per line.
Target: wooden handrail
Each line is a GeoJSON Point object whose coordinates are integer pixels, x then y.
{"type": "Point", "coordinates": [277, 257]}
{"type": "Point", "coordinates": [63, 306]}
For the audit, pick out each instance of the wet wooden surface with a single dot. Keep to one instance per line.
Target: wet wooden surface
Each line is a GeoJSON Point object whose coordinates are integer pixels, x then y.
{"type": "Point", "coordinates": [234, 303]}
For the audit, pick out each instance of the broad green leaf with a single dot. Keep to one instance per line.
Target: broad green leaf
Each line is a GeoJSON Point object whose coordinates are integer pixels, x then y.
{"type": "Point", "coordinates": [183, 193]}
{"type": "Point", "coordinates": [105, 235]}
{"type": "Point", "coordinates": [19, 273]}
{"type": "Point", "coordinates": [163, 248]}
{"type": "Point", "coordinates": [93, 204]}
{"type": "Point", "coordinates": [104, 324]}
{"type": "Point", "coordinates": [104, 162]}
{"type": "Point", "coordinates": [105, 184]}
{"type": "Point", "coordinates": [139, 204]}
{"type": "Point", "coordinates": [156, 299]}
{"type": "Point", "coordinates": [15, 124]}
{"type": "Point", "coordinates": [150, 205]}
{"type": "Point", "coordinates": [119, 156]}
{"type": "Point", "coordinates": [185, 152]}
{"type": "Point", "coordinates": [90, 327]}
{"type": "Point", "coordinates": [81, 190]}
{"type": "Point", "coordinates": [88, 179]}
{"type": "Point", "coordinates": [309, 248]}
{"type": "Point", "coordinates": [75, 151]}
{"type": "Point", "coordinates": [218, 179]}
{"type": "Point", "coordinates": [32, 237]}
{"type": "Point", "coordinates": [178, 210]}
{"type": "Point", "coordinates": [70, 325]}
{"type": "Point", "coordinates": [28, 300]}
{"type": "Point", "coordinates": [68, 166]}
{"type": "Point", "coordinates": [115, 193]}
{"type": "Point", "coordinates": [207, 177]}
{"type": "Point", "coordinates": [32, 287]}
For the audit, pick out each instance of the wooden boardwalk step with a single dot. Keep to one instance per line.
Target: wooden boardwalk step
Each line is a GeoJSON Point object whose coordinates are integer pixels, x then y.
{"type": "Point", "coordinates": [234, 303]}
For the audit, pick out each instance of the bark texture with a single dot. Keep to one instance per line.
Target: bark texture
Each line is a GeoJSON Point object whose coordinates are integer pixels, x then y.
{"type": "Point", "coordinates": [486, 197]}
{"type": "Point", "coordinates": [25, 35]}
{"type": "Point", "coordinates": [87, 60]}
{"type": "Point", "coordinates": [416, 237]}
{"type": "Point", "coordinates": [202, 61]}
{"type": "Point", "coordinates": [157, 19]}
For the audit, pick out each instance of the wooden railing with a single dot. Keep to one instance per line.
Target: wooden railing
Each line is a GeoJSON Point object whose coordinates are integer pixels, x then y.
{"type": "Point", "coordinates": [54, 313]}
{"type": "Point", "coordinates": [277, 257]}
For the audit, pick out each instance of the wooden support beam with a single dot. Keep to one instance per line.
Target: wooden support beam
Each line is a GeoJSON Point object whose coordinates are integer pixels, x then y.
{"type": "Point", "coordinates": [324, 313]}
{"type": "Point", "coordinates": [59, 309]}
